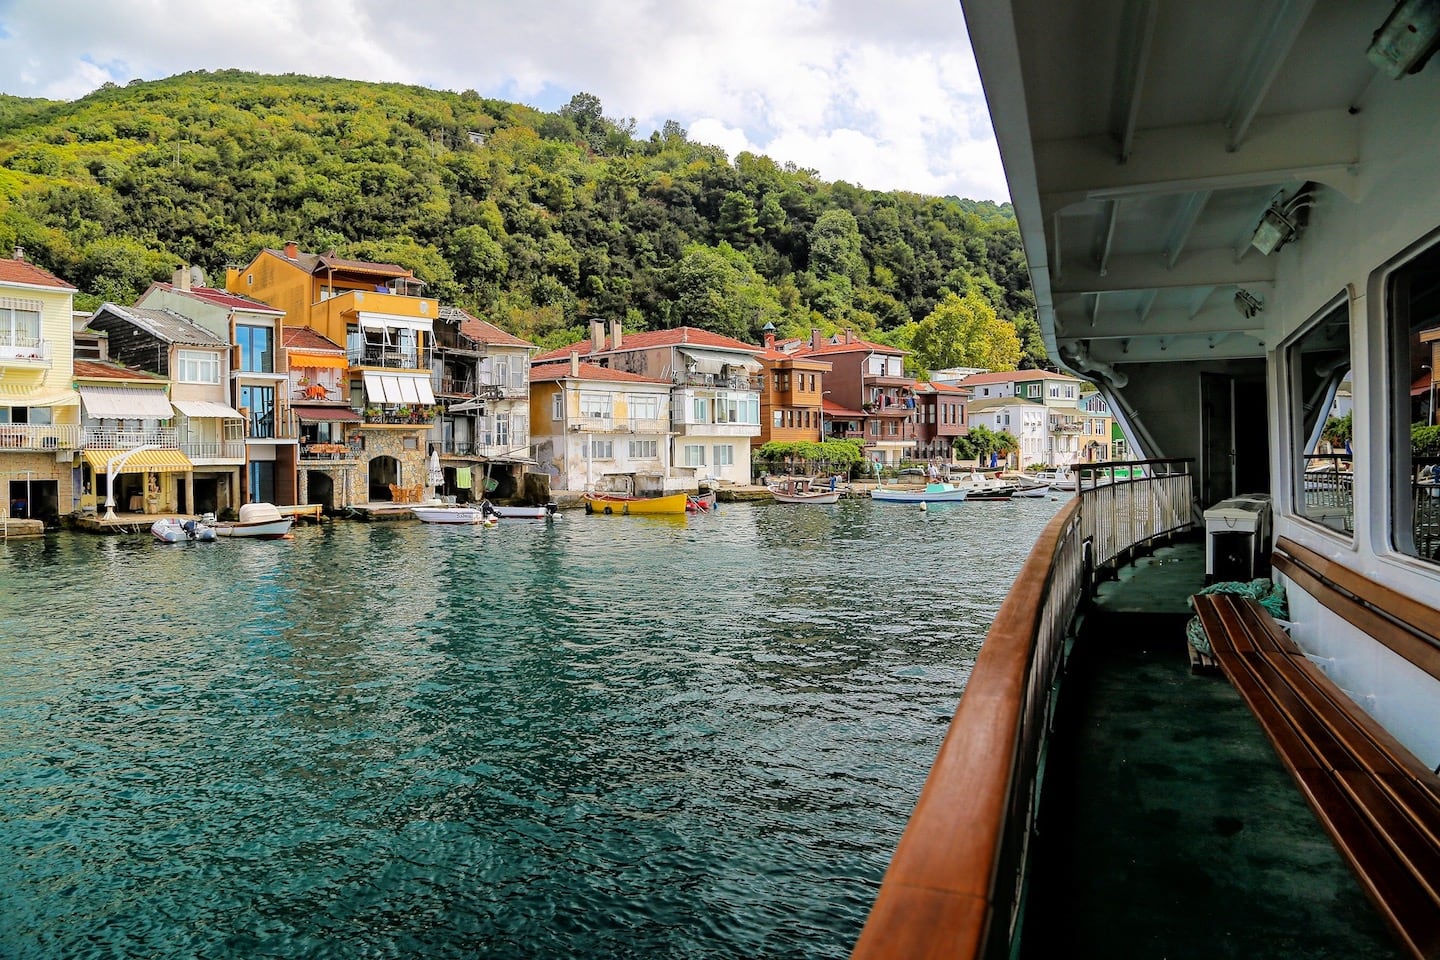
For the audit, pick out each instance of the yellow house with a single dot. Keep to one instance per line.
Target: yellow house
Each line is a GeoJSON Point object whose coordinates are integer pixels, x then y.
{"type": "Point", "coordinates": [378, 311]}
{"type": "Point", "coordinates": [39, 408]}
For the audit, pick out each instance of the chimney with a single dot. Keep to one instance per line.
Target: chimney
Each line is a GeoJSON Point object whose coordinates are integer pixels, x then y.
{"type": "Point", "coordinates": [597, 334]}
{"type": "Point", "coordinates": [19, 253]}
{"type": "Point", "coordinates": [574, 363]}
{"type": "Point", "coordinates": [614, 334]}
{"type": "Point", "coordinates": [292, 249]}
{"type": "Point", "coordinates": [814, 339]}
{"type": "Point", "coordinates": [849, 335]}
{"type": "Point", "coordinates": [180, 281]}
{"type": "Point", "coordinates": [770, 341]}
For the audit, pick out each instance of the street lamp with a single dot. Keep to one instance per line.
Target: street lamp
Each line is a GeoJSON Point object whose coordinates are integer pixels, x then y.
{"type": "Point", "coordinates": [823, 395]}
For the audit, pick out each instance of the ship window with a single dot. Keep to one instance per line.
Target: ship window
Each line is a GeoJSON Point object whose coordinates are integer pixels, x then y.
{"type": "Point", "coordinates": [1412, 308]}
{"type": "Point", "coordinates": [1318, 360]}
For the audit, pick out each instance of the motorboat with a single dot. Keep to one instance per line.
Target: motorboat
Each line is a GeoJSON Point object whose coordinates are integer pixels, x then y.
{"type": "Point", "coordinates": [176, 530]}
{"type": "Point", "coordinates": [982, 487]}
{"type": "Point", "coordinates": [934, 492]}
{"type": "Point", "coordinates": [701, 502]}
{"type": "Point", "coordinates": [614, 503]}
{"type": "Point", "coordinates": [1231, 217]}
{"type": "Point", "coordinates": [543, 511]}
{"type": "Point", "coordinates": [260, 521]}
{"type": "Point", "coordinates": [804, 490]}
{"type": "Point", "coordinates": [450, 513]}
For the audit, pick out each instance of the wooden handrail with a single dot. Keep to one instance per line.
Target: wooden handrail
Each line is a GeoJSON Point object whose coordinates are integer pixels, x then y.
{"type": "Point", "coordinates": [937, 897]}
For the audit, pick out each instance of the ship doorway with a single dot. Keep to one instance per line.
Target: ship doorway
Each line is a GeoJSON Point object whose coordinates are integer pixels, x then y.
{"type": "Point", "coordinates": [1234, 433]}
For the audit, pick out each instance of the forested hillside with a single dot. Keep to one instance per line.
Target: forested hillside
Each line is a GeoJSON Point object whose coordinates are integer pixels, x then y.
{"type": "Point", "coordinates": [533, 220]}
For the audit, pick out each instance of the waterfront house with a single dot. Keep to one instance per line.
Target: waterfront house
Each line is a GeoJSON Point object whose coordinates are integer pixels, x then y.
{"type": "Point", "coordinates": [381, 315]}
{"type": "Point", "coordinates": [257, 372]}
{"type": "Point", "coordinates": [600, 429]}
{"type": "Point", "coordinates": [482, 382]}
{"type": "Point", "coordinates": [323, 422]}
{"type": "Point", "coordinates": [869, 377]}
{"type": "Point", "coordinates": [1099, 440]}
{"type": "Point", "coordinates": [1070, 436]}
{"type": "Point", "coordinates": [130, 452]}
{"type": "Point", "coordinates": [208, 431]}
{"type": "Point", "coordinates": [39, 409]}
{"type": "Point", "coordinates": [1024, 419]}
{"type": "Point", "coordinates": [714, 397]}
{"type": "Point", "coordinates": [792, 395]}
{"type": "Point", "coordinates": [940, 419]}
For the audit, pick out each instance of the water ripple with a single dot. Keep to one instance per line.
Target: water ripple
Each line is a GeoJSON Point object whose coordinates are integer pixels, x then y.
{"type": "Point", "coordinates": [610, 737]}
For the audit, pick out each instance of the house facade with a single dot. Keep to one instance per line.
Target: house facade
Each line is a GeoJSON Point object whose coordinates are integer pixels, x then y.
{"type": "Point", "coordinates": [39, 408]}
{"type": "Point", "coordinates": [208, 431]}
{"type": "Point", "coordinates": [378, 311]}
{"type": "Point", "coordinates": [714, 396]}
{"type": "Point", "coordinates": [1024, 419]}
{"type": "Point", "coordinates": [600, 429]}
{"type": "Point", "coordinates": [940, 419]}
{"type": "Point", "coordinates": [868, 378]}
{"type": "Point", "coordinates": [130, 459]}
{"type": "Point", "coordinates": [792, 395]}
{"type": "Point", "coordinates": [323, 423]}
{"type": "Point", "coordinates": [482, 382]}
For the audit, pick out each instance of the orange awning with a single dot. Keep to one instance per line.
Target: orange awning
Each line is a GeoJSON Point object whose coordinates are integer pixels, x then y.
{"type": "Point", "coordinates": [301, 358]}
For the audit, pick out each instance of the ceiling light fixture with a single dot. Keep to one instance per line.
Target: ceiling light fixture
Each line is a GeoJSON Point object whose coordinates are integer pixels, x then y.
{"type": "Point", "coordinates": [1282, 221]}
{"type": "Point", "coordinates": [1407, 38]}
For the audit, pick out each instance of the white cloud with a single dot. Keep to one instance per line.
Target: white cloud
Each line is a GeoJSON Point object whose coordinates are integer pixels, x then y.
{"type": "Point", "coordinates": [883, 95]}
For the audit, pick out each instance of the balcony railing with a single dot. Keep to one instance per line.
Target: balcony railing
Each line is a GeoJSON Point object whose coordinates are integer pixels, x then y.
{"type": "Point", "coordinates": [984, 779]}
{"type": "Point", "coordinates": [36, 436]}
{"type": "Point", "coordinates": [213, 449]}
{"type": "Point", "coordinates": [24, 351]}
{"type": "Point", "coordinates": [422, 416]}
{"type": "Point", "coordinates": [164, 439]}
{"type": "Point", "coordinates": [390, 357]}
{"type": "Point", "coordinates": [325, 452]}
{"type": "Point", "coordinates": [717, 380]}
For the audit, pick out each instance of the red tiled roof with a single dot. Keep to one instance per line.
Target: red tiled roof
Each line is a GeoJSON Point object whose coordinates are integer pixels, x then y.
{"type": "Point", "coordinates": [101, 370]}
{"type": "Point", "coordinates": [648, 339]}
{"type": "Point", "coordinates": [21, 271]}
{"type": "Point", "coordinates": [220, 298]}
{"type": "Point", "coordinates": [482, 331]}
{"type": "Point", "coordinates": [315, 262]}
{"type": "Point", "coordinates": [588, 371]}
{"type": "Point", "coordinates": [835, 410]}
{"type": "Point", "coordinates": [306, 338]}
{"type": "Point", "coordinates": [854, 346]}
{"type": "Point", "coordinates": [941, 387]}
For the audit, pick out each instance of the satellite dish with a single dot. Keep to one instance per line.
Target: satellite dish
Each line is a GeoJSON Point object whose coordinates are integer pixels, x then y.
{"type": "Point", "coordinates": [197, 276]}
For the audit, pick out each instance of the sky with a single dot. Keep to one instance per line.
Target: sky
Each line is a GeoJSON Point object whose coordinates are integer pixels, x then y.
{"type": "Point", "coordinates": [884, 95]}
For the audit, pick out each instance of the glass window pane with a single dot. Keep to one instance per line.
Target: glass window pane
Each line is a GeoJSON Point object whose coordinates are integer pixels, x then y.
{"type": "Point", "coordinates": [1318, 361]}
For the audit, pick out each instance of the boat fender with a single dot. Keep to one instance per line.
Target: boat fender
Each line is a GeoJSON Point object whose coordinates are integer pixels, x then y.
{"type": "Point", "coordinates": [608, 511]}
{"type": "Point", "coordinates": [625, 510]}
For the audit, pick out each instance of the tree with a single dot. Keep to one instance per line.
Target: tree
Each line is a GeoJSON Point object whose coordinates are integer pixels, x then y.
{"type": "Point", "coordinates": [717, 289]}
{"type": "Point", "coordinates": [981, 441]}
{"type": "Point", "coordinates": [965, 332]}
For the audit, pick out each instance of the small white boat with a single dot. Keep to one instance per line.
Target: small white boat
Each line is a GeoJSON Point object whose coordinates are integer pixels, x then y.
{"type": "Point", "coordinates": [260, 521]}
{"type": "Point", "coordinates": [930, 493]}
{"type": "Point", "coordinates": [455, 513]}
{"type": "Point", "coordinates": [544, 511]}
{"type": "Point", "coordinates": [803, 490]}
{"type": "Point", "coordinates": [981, 487]}
{"type": "Point", "coordinates": [175, 530]}
{"type": "Point", "coordinates": [1027, 485]}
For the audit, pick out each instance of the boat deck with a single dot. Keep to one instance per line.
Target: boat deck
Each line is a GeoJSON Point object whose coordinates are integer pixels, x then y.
{"type": "Point", "coordinates": [1170, 828]}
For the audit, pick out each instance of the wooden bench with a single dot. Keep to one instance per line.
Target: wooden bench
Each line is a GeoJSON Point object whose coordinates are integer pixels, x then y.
{"type": "Point", "coordinates": [1378, 802]}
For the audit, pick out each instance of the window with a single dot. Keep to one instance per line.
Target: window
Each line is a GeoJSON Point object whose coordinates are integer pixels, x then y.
{"type": "Point", "coordinates": [594, 404]}
{"type": "Point", "coordinates": [694, 455]}
{"type": "Point", "coordinates": [1317, 360]}
{"type": "Point", "coordinates": [602, 450]}
{"type": "Point", "coordinates": [699, 410]}
{"type": "Point", "coordinates": [644, 449]}
{"type": "Point", "coordinates": [724, 455]}
{"type": "Point", "coordinates": [738, 408]}
{"type": "Point", "coordinates": [260, 402]}
{"type": "Point", "coordinates": [557, 406]}
{"type": "Point", "coordinates": [19, 322]}
{"type": "Point", "coordinates": [502, 429]}
{"type": "Point", "coordinates": [197, 366]}
{"type": "Point", "coordinates": [779, 418]}
{"type": "Point", "coordinates": [1412, 311]}
{"type": "Point", "coordinates": [644, 406]}
{"type": "Point", "coordinates": [256, 352]}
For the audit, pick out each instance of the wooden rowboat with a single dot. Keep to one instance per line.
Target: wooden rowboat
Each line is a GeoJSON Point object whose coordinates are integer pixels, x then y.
{"type": "Point", "coordinates": [614, 503]}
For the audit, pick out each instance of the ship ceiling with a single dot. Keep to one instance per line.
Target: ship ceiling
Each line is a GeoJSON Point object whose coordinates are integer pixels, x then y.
{"type": "Point", "coordinates": [1144, 143]}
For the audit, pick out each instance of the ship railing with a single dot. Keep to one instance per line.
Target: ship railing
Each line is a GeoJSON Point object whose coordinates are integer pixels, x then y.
{"type": "Point", "coordinates": [956, 882]}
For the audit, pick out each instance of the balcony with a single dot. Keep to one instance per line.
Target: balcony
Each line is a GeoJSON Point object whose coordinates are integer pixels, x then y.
{"type": "Point", "coordinates": [718, 381]}
{"type": "Point", "coordinates": [38, 436]}
{"type": "Point", "coordinates": [331, 453]}
{"type": "Point", "coordinates": [390, 358]}
{"type": "Point", "coordinates": [1060, 425]}
{"type": "Point", "coordinates": [164, 439]}
{"type": "Point", "coordinates": [422, 416]}
{"type": "Point", "coordinates": [212, 451]}
{"type": "Point", "coordinates": [604, 424]}
{"type": "Point", "coordinates": [25, 352]}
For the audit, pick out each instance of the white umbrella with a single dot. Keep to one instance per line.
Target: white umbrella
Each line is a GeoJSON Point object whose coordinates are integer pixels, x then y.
{"type": "Point", "coordinates": [437, 476]}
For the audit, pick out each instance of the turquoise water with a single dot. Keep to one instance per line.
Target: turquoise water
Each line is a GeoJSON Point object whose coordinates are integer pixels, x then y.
{"type": "Point", "coordinates": [607, 737]}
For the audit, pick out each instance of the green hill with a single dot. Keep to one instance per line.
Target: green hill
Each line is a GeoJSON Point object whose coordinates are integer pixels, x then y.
{"type": "Point", "coordinates": [534, 220]}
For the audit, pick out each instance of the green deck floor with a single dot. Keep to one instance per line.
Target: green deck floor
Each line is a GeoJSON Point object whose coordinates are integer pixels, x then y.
{"type": "Point", "coordinates": [1170, 829]}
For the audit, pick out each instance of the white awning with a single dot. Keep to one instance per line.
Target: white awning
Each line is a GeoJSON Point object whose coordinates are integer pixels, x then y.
{"type": "Point", "coordinates": [398, 388]}
{"type": "Point", "coordinates": [379, 321]}
{"type": "Point", "coordinates": [207, 408]}
{"type": "Point", "coordinates": [21, 395]}
{"type": "Point", "coordinates": [126, 403]}
{"type": "Point", "coordinates": [713, 361]}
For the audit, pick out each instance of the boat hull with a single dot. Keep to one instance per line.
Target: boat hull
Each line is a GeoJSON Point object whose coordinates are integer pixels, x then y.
{"type": "Point", "coordinates": [259, 530]}
{"type": "Point", "coordinates": [821, 496]}
{"type": "Point", "coordinates": [674, 503]}
{"type": "Point", "coordinates": [450, 515]}
{"type": "Point", "coordinates": [547, 511]}
{"type": "Point", "coordinates": [949, 494]}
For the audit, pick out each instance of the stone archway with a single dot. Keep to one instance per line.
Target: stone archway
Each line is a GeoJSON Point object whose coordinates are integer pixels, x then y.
{"type": "Point", "coordinates": [384, 472]}
{"type": "Point", "coordinates": [320, 488]}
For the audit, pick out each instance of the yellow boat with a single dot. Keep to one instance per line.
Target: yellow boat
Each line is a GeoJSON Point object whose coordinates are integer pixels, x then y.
{"type": "Point", "coordinates": [616, 503]}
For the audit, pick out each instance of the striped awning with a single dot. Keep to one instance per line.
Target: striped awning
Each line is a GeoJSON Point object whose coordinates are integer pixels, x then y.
{"type": "Point", "coordinates": [398, 388]}
{"type": "Point", "coordinates": [126, 403]}
{"type": "Point", "coordinates": [19, 395]}
{"type": "Point", "coordinates": [143, 461]}
{"type": "Point", "coordinates": [302, 358]}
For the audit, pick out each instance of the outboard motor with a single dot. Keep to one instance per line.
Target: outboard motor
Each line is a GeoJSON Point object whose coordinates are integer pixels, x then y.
{"type": "Point", "coordinates": [551, 509]}
{"type": "Point", "coordinates": [189, 527]}
{"type": "Point", "coordinates": [487, 510]}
